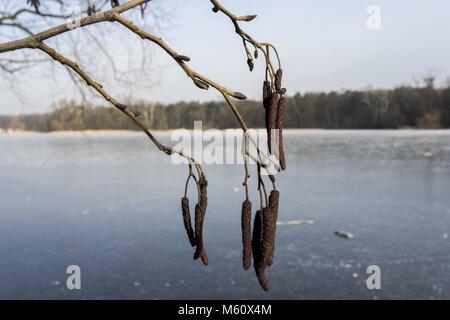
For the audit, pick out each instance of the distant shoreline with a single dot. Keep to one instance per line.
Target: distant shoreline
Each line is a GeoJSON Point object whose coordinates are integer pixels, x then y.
{"type": "Point", "coordinates": [404, 108]}
{"type": "Point", "coordinates": [288, 130]}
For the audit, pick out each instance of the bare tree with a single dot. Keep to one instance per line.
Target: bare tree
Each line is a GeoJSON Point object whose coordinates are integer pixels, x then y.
{"type": "Point", "coordinates": [95, 48]}
{"type": "Point", "coordinates": [261, 244]}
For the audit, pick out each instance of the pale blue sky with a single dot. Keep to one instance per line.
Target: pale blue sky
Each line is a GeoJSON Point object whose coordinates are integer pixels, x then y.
{"type": "Point", "coordinates": [325, 45]}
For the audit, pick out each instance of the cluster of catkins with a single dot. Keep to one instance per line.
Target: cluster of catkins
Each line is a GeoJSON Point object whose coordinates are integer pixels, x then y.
{"type": "Point", "coordinates": [259, 245]}
{"type": "Point", "coordinates": [195, 235]}
{"type": "Point", "coordinates": [275, 107]}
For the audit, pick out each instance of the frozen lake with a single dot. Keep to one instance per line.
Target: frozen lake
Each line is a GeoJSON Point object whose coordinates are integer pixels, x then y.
{"type": "Point", "coordinates": [110, 203]}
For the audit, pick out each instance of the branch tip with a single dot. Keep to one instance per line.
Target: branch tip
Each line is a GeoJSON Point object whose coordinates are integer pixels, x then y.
{"type": "Point", "coordinates": [239, 95]}
{"type": "Point", "coordinates": [182, 58]}
{"type": "Point", "coordinates": [201, 84]}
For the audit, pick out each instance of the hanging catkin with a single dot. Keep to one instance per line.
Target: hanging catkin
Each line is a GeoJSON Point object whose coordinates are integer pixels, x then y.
{"type": "Point", "coordinates": [198, 231]}
{"type": "Point", "coordinates": [278, 80]}
{"type": "Point", "coordinates": [256, 249]}
{"type": "Point", "coordinates": [268, 238]}
{"type": "Point", "coordinates": [281, 111]}
{"type": "Point", "coordinates": [273, 205]}
{"type": "Point", "coordinates": [271, 119]}
{"type": "Point", "coordinates": [200, 212]}
{"type": "Point", "coordinates": [267, 94]}
{"type": "Point", "coordinates": [187, 220]}
{"type": "Point", "coordinates": [274, 199]}
{"type": "Point", "coordinates": [246, 226]}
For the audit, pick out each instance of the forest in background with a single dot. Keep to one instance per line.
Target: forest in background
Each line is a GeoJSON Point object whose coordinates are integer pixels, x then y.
{"type": "Point", "coordinates": [403, 107]}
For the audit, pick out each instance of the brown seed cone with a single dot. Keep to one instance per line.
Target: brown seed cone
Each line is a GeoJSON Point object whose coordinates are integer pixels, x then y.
{"type": "Point", "coordinates": [273, 204]}
{"type": "Point", "coordinates": [187, 220]}
{"type": "Point", "coordinates": [256, 249]}
{"type": "Point", "coordinates": [281, 113]}
{"type": "Point", "coordinates": [278, 80]}
{"type": "Point", "coordinates": [268, 238]}
{"type": "Point", "coordinates": [246, 226]}
{"type": "Point", "coordinates": [271, 119]}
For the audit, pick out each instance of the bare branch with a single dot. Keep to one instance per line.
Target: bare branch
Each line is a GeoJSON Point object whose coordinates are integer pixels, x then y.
{"type": "Point", "coordinates": [53, 32]}
{"type": "Point", "coordinates": [36, 41]}
{"type": "Point", "coordinates": [99, 88]}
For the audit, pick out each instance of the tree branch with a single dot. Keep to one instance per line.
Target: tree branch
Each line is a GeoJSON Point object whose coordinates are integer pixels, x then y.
{"type": "Point", "coordinates": [31, 41]}
{"type": "Point", "coordinates": [198, 79]}
{"type": "Point", "coordinates": [99, 88]}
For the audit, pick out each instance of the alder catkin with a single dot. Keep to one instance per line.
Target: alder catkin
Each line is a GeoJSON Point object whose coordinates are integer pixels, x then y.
{"type": "Point", "coordinates": [281, 111]}
{"type": "Point", "coordinates": [267, 94]}
{"type": "Point", "coordinates": [197, 223]}
{"type": "Point", "coordinates": [278, 80]}
{"type": "Point", "coordinates": [262, 278]}
{"type": "Point", "coordinates": [274, 199]}
{"type": "Point", "coordinates": [271, 119]}
{"type": "Point", "coordinates": [256, 249]}
{"type": "Point", "coordinates": [257, 238]}
{"type": "Point", "coordinates": [198, 231]}
{"type": "Point", "coordinates": [246, 226]}
{"type": "Point", "coordinates": [273, 111]}
{"type": "Point", "coordinates": [187, 220]}
{"type": "Point", "coordinates": [204, 257]}
{"type": "Point", "coordinates": [200, 212]}
{"type": "Point", "coordinates": [268, 238]}
{"type": "Point", "coordinates": [273, 205]}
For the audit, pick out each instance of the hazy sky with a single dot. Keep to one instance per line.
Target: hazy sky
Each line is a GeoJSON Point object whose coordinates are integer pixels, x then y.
{"type": "Point", "coordinates": [324, 44]}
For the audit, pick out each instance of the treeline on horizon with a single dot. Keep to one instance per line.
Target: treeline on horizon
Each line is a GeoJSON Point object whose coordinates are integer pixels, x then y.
{"type": "Point", "coordinates": [403, 107]}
